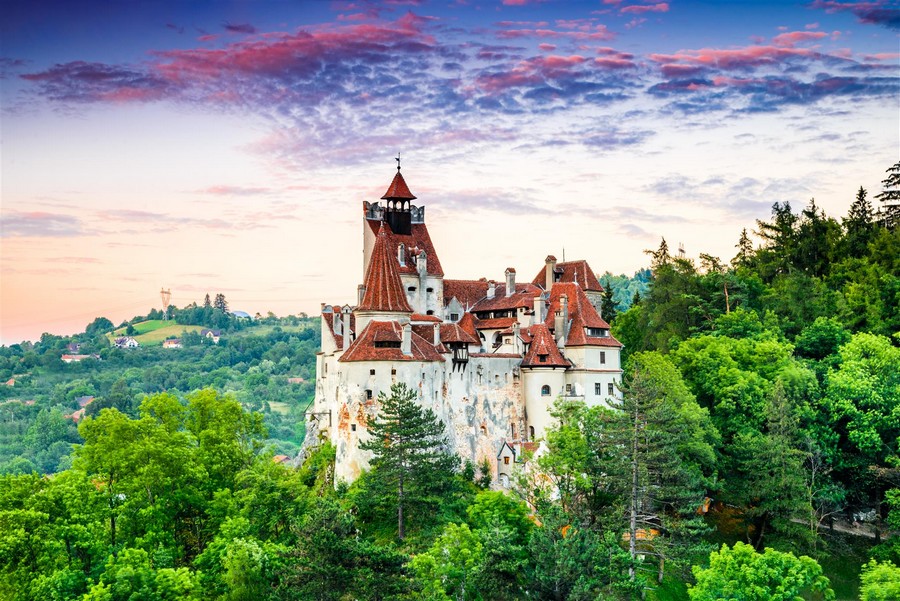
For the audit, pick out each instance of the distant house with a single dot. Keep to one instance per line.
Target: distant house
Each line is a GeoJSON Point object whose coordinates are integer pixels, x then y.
{"type": "Point", "coordinates": [77, 358]}
{"type": "Point", "coordinates": [84, 401]}
{"type": "Point", "coordinates": [172, 343]}
{"type": "Point", "coordinates": [280, 459]}
{"type": "Point", "coordinates": [127, 342]}
{"type": "Point", "coordinates": [211, 334]}
{"type": "Point", "coordinates": [76, 416]}
{"type": "Point", "coordinates": [11, 382]}
{"type": "Point", "coordinates": [296, 380]}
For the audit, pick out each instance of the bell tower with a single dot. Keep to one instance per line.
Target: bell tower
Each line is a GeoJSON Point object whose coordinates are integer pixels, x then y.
{"type": "Point", "coordinates": [397, 204]}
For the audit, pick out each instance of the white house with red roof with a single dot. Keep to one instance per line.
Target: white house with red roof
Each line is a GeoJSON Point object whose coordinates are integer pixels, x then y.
{"type": "Point", "coordinates": [489, 358]}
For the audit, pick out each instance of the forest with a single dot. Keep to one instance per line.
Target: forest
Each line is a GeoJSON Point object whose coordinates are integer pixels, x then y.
{"type": "Point", "coordinates": [755, 453]}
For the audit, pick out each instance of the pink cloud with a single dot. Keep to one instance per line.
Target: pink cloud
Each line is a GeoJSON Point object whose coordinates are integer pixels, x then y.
{"type": "Point", "coordinates": [739, 58]}
{"type": "Point", "coordinates": [597, 32]}
{"type": "Point", "coordinates": [882, 56]}
{"type": "Point", "coordinates": [790, 39]}
{"type": "Point", "coordinates": [811, 26]}
{"type": "Point", "coordinates": [640, 9]}
{"type": "Point", "coordinates": [529, 72]}
{"type": "Point", "coordinates": [547, 47]}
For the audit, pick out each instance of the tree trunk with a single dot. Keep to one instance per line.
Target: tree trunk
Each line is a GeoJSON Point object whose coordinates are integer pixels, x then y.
{"type": "Point", "coordinates": [401, 532]}
{"type": "Point", "coordinates": [632, 526]}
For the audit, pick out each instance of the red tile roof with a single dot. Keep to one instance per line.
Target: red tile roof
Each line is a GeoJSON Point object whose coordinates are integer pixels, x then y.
{"type": "Point", "coordinates": [454, 332]}
{"type": "Point", "coordinates": [572, 271]}
{"type": "Point", "coordinates": [398, 190]}
{"type": "Point", "coordinates": [582, 315]}
{"type": "Point", "coordinates": [328, 319]}
{"type": "Point", "coordinates": [426, 332]}
{"type": "Point", "coordinates": [364, 349]}
{"type": "Point", "coordinates": [384, 290]}
{"type": "Point", "coordinates": [423, 317]}
{"type": "Point", "coordinates": [522, 297]}
{"type": "Point", "coordinates": [417, 240]}
{"type": "Point", "coordinates": [498, 323]}
{"type": "Point", "coordinates": [544, 346]}
{"type": "Point", "coordinates": [467, 292]}
{"type": "Point", "coordinates": [467, 323]}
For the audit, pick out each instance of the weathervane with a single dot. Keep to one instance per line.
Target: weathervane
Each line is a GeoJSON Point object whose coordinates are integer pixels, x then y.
{"type": "Point", "coordinates": [397, 158]}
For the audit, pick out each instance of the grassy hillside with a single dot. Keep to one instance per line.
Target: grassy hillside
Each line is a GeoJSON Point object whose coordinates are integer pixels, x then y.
{"type": "Point", "coordinates": [154, 331]}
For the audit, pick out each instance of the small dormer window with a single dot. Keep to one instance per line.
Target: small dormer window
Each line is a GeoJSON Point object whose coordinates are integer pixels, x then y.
{"type": "Point", "coordinates": [411, 289]}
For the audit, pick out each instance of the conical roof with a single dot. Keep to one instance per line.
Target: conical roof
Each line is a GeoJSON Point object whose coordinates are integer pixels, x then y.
{"type": "Point", "coordinates": [384, 290]}
{"type": "Point", "coordinates": [398, 190]}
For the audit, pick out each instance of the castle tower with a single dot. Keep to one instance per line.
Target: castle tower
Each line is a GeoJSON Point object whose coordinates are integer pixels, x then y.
{"type": "Point", "coordinates": [382, 293]}
{"type": "Point", "coordinates": [397, 205]}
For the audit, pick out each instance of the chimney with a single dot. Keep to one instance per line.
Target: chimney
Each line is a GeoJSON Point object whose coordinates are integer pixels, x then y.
{"type": "Point", "coordinates": [437, 334]}
{"type": "Point", "coordinates": [406, 339]}
{"type": "Point", "coordinates": [561, 319]}
{"type": "Point", "coordinates": [517, 341]}
{"type": "Point", "coordinates": [491, 289]}
{"type": "Point", "coordinates": [538, 309]}
{"type": "Point", "coordinates": [360, 293]}
{"type": "Point", "coordinates": [336, 321]}
{"type": "Point", "coordinates": [510, 281]}
{"type": "Point", "coordinates": [549, 268]}
{"type": "Point", "coordinates": [346, 313]}
{"type": "Point", "coordinates": [422, 263]}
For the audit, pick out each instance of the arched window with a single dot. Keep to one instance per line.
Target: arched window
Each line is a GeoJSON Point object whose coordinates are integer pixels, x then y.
{"type": "Point", "coordinates": [545, 390]}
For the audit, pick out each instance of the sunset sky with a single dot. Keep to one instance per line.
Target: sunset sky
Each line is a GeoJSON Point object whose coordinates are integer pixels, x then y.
{"type": "Point", "coordinates": [228, 146]}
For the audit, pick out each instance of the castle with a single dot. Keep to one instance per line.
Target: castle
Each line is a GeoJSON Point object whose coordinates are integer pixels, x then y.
{"type": "Point", "coordinates": [489, 358]}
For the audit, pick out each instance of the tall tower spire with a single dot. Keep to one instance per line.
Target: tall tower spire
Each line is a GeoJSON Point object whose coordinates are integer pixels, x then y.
{"type": "Point", "coordinates": [397, 205]}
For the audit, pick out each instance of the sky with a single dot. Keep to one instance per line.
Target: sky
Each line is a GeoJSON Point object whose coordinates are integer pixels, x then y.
{"type": "Point", "coordinates": [226, 147]}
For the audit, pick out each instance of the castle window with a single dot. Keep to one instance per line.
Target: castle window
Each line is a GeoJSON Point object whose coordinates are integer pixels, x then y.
{"type": "Point", "coordinates": [506, 460]}
{"type": "Point", "coordinates": [568, 389]}
{"type": "Point", "coordinates": [429, 312]}
{"type": "Point", "coordinates": [602, 357]}
{"type": "Point", "coordinates": [531, 432]}
{"type": "Point", "coordinates": [393, 372]}
{"type": "Point", "coordinates": [454, 317]}
{"type": "Point", "coordinates": [429, 290]}
{"type": "Point", "coordinates": [610, 389]}
{"type": "Point", "coordinates": [545, 390]}
{"type": "Point", "coordinates": [598, 388]}
{"type": "Point", "coordinates": [512, 430]}
{"type": "Point", "coordinates": [368, 393]}
{"type": "Point", "coordinates": [371, 372]}
{"type": "Point", "coordinates": [353, 427]}
{"type": "Point", "coordinates": [543, 358]}
{"type": "Point", "coordinates": [387, 344]}
{"type": "Point", "coordinates": [411, 289]}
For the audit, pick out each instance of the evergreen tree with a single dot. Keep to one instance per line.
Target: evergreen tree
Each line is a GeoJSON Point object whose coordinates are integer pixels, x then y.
{"type": "Point", "coordinates": [410, 463]}
{"type": "Point", "coordinates": [889, 214]}
{"type": "Point", "coordinates": [608, 307]}
{"type": "Point", "coordinates": [220, 303]}
{"type": "Point", "coordinates": [206, 301]}
{"type": "Point", "coordinates": [745, 250]}
{"type": "Point", "coordinates": [859, 226]}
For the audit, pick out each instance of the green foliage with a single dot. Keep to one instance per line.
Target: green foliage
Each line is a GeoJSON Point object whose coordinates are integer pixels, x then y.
{"type": "Point", "coordinates": [410, 467]}
{"type": "Point", "coordinates": [740, 573]}
{"type": "Point", "coordinates": [879, 582]}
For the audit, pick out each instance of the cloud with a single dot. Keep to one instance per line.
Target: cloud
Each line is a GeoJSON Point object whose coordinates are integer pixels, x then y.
{"type": "Point", "coordinates": [80, 81]}
{"type": "Point", "coordinates": [577, 30]}
{"type": "Point", "coordinates": [790, 39]}
{"type": "Point", "coordinates": [245, 28]}
{"type": "Point", "coordinates": [640, 9]}
{"type": "Point", "coordinates": [873, 13]}
{"type": "Point", "coordinates": [38, 224]}
{"type": "Point", "coordinates": [223, 190]}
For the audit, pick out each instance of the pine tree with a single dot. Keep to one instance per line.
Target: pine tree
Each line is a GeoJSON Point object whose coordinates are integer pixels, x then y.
{"type": "Point", "coordinates": [859, 226]}
{"type": "Point", "coordinates": [745, 250]}
{"type": "Point", "coordinates": [608, 307]}
{"type": "Point", "coordinates": [410, 463]}
{"type": "Point", "coordinates": [220, 303]}
{"type": "Point", "coordinates": [889, 214]}
{"type": "Point", "coordinates": [206, 301]}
